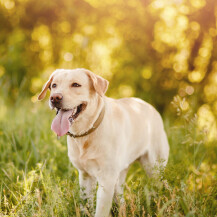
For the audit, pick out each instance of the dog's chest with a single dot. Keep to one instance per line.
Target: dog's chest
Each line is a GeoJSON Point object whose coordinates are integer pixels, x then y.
{"type": "Point", "coordinates": [83, 156]}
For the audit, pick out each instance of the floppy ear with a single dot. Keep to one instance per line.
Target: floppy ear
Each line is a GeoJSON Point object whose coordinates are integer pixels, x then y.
{"type": "Point", "coordinates": [46, 86]}
{"type": "Point", "coordinates": [100, 84]}
{"type": "Point", "coordinates": [44, 89]}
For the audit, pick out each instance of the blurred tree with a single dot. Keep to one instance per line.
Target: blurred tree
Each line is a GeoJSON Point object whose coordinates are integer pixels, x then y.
{"type": "Point", "coordinates": [153, 49]}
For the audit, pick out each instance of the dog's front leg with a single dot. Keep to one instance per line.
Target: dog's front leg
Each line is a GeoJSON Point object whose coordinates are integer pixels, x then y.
{"type": "Point", "coordinates": [87, 188]}
{"type": "Point", "coordinates": [104, 196]}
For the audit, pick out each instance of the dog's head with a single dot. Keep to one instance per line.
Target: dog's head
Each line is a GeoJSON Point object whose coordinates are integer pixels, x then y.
{"type": "Point", "coordinates": [71, 91]}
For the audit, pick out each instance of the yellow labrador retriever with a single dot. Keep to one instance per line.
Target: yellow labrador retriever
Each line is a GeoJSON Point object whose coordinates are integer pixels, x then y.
{"type": "Point", "coordinates": [105, 135]}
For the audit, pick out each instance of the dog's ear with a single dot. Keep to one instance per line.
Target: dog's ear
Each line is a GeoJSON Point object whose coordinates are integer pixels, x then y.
{"type": "Point", "coordinates": [100, 84]}
{"type": "Point", "coordinates": [44, 89]}
{"type": "Point", "coordinates": [46, 86]}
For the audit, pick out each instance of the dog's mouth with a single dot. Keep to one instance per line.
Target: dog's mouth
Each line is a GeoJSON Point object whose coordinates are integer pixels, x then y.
{"type": "Point", "coordinates": [65, 118]}
{"type": "Point", "coordinates": [76, 111]}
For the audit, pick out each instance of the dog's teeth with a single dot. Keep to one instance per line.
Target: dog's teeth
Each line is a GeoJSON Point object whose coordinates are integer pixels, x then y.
{"type": "Point", "coordinates": [75, 110]}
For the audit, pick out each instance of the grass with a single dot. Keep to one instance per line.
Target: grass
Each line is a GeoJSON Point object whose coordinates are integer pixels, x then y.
{"type": "Point", "coordinates": [37, 179]}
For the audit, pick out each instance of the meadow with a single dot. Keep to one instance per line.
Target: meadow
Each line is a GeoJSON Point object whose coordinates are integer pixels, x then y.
{"type": "Point", "coordinates": [37, 179]}
{"type": "Point", "coordinates": [162, 51]}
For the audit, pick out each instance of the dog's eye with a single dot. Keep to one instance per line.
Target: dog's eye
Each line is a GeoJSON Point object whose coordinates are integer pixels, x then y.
{"type": "Point", "coordinates": [75, 85]}
{"type": "Point", "coordinates": [54, 85]}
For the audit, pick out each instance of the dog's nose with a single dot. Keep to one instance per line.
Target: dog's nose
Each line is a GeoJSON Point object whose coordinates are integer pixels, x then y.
{"type": "Point", "coordinates": [56, 98]}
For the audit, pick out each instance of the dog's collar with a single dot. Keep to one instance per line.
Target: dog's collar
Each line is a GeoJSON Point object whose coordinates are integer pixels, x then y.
{"type": "Point", "coordinates": [95, 125]}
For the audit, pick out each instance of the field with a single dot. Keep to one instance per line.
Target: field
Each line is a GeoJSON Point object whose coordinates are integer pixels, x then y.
{"type": "Point", "coordinates": [162, 51]}
{"type": "Point", "coordinates": [37, 179]}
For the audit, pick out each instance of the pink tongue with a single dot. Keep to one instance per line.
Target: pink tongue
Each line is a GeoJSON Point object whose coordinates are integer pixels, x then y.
{"type": "Point", "coordinates": [60, 124]}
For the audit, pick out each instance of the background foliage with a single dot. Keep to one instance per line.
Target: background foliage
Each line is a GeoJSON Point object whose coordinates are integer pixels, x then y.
{"type": "Point", "coordinates": [152, 49]}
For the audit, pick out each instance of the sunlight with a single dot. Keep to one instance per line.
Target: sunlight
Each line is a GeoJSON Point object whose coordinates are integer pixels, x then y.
{"type": "Point", "coordinates": [9, 4]}
{"type": "Point", "coordinates": [68, 56]}
{"type": "Point", "coordinates": [147, 72]}
{"type": "Point", "coordinates": [159, 51]}
{"type": "Point", "coordinates": [198, 3]}
{"type": "Point", "coordinates": [125, 91]}
{"type": "Point", "coordinates": [206, 121]}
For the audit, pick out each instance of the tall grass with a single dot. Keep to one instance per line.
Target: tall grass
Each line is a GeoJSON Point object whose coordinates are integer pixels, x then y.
{"type": "Point", "coordinates": [37, 179]}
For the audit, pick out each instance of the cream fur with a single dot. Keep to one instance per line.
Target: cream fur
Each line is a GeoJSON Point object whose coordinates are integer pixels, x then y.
{"type": "Point", "coordinates": [131, 130]}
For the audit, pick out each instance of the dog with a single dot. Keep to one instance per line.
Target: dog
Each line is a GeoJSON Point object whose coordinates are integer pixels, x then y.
{"type": "Point", "coordinates": [104, 135]}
